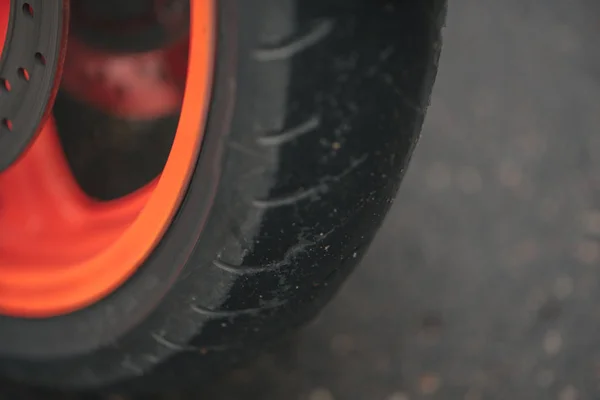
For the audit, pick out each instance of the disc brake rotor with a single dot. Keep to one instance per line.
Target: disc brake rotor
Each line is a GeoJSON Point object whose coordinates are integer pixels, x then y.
{"type": "Point", "coordinates": [32, 56]}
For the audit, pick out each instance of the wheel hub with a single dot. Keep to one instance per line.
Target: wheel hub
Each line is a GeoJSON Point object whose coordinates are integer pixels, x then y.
{"type": "Point", "coordinates": [33, 34]}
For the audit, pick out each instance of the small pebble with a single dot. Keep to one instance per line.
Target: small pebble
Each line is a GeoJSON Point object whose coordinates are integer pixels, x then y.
{"type": "Point", "coordinates": [510, 174]}
{"type": "Point", "coordinates": [485, 103]}
{"type": "Point", "coordinates": [587, 252]}
{"type": "Point", "coordinates": [242, 376]}
{"type": "Point", "coordinates": [567, 40]}
{"type": "Point", "coordinates": [549, 209]}
{"type": "Point", "coordinates": [438, 177]}
{"type": "Point", "coordinates": [568, 393]}
{"type": "Point", "coordinates": [545, 378]}
{"type": "Point", "coordinates": [321, 394]}
{"type": "Point", "coordinates": [473, 394]}
{"type": "Point", "coordinates": [552, 342]}
{"type": "Point", "coordinates": [431, 326]}
{"type": "Point", "coordinates": [536, 299]}
{"type": "Point", "coordinates": [524, 253]}
{"type": "Point", "coordinates": [116, 397]}
{"type": "Point", "coordinates": [469, 180]}
{"type": "Point", "coordinates": [563, 287]}
{"type": "Point", "coordinates": [398, 396]}
{"type": "Point", "coordinates": [429, 384]}
{"type": "Point", "coordinates": [591, 222]}
{"type": "Point", "coordinates": [550, 310]}
{"type": "Point", "coordinates": [383, 364]}
{"type": "Point", "coordinates": [343, 344]}
{"type": "Point", "coordinates": [532, 144]}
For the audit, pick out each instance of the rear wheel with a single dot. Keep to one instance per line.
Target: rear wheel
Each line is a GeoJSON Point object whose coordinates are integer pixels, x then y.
{"type": "Point", "coordinates": [203, 185]}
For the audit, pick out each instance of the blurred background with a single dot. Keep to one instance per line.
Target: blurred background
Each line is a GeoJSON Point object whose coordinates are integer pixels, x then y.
{"type": "Point", "coordinates": [483, 282]}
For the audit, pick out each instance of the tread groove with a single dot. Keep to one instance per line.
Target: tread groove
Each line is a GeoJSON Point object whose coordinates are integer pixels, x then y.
{"type": "Point", "coordinates": [243, 270]}
{"type": "Point", "coordinates": [318, 32]}
{"type": "Point", "coordinates": [290, 199]}
{"type": "Point", "coordinates": [234, 313]}
{"type": "Point", "coordinates": [167, 344]}
{"type": "Point", "coordinates": [303, 194]}
{"type": "Point", "coordinates": [291, 134]}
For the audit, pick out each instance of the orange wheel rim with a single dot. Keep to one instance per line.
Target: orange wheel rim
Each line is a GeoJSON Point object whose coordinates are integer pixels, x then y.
{"type": "Point", "coordinates": [4, 19]}
{"type": "Point", "coordinates": [61, 251]}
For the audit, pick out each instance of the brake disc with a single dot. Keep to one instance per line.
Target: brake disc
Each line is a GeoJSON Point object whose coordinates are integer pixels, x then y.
{"type": "Point", "coordinates": [33, 34]}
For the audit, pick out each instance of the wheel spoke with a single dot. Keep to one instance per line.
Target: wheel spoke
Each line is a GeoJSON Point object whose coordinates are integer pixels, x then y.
{"type": "Point", "coordinates": [41, 200]}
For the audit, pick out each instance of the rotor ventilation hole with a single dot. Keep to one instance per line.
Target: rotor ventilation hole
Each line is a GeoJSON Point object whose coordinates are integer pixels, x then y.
{"type": "Point", "coordinates": [7, 124]}
{"type": "Point", "coordinates": [28, 70]}
{"type": "Point", "coordinates": [39, 57]}
{"type": "Point", "coordinates": [28, 9]}
{"type": "Point", "coordinates": [5, 85]}
{"type": "Point", "coordinates": [24, 74]}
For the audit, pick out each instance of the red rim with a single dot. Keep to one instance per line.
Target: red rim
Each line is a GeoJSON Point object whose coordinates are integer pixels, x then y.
{"type": "Point", "coordinates": [60, 250]}
{"type": "Point", "coordinates": [4, 20]}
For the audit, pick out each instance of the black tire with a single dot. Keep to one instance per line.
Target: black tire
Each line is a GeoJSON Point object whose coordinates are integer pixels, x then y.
{"type": "Point", "coordinates": [316, 109]}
